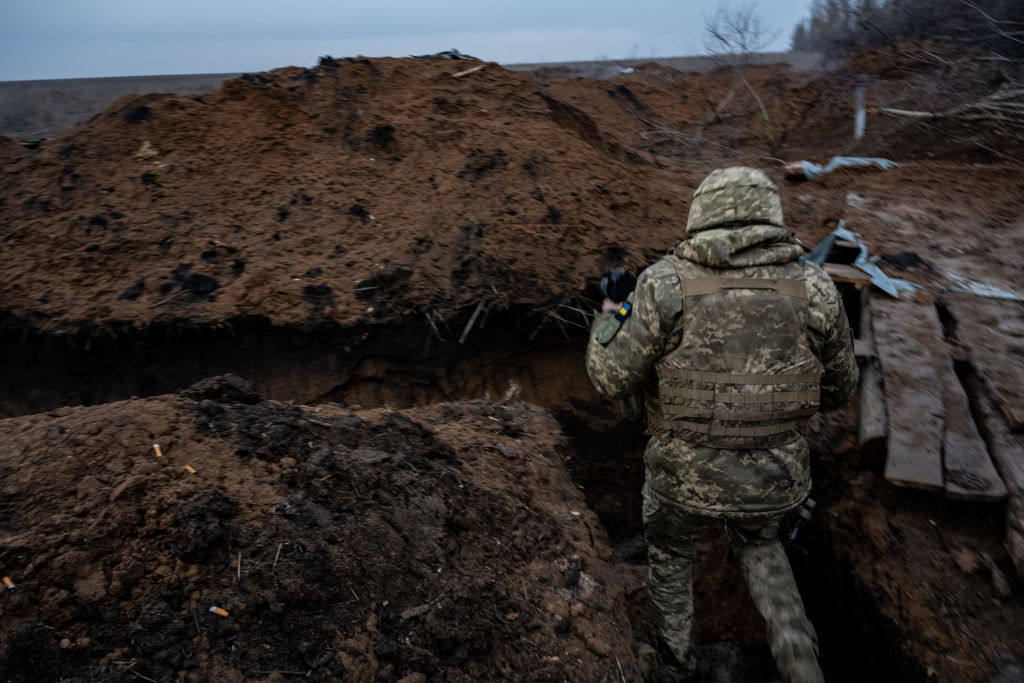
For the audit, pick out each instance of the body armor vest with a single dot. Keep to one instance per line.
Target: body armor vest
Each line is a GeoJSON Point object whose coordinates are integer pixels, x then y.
{"type": "Point", "coordinates": [743, 375]}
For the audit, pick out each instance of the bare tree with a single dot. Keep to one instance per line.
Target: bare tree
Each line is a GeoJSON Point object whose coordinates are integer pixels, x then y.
{"type": "Point", "coordinates": [735, 32]}
{"type": "Point", "coordinates": [843, 27]}
{"type": "Point", "coordinates": [731, 35]}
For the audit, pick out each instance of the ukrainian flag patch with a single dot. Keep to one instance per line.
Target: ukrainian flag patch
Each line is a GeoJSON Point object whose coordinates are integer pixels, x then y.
{"type": "Point", "coordinates": [611, 326]}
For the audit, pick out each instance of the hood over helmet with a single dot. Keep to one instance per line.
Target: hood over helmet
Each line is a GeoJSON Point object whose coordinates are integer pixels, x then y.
{"type": "Point", "coordinates": [735, 195]}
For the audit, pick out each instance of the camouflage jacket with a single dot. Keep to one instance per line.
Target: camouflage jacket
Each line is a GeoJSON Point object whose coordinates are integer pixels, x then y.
{"type": "Point", "coordinates": [622, 355]}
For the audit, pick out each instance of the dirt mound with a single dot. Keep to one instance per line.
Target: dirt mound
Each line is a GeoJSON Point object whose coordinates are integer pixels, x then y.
{"type": "Point", "coordinates": [362, 191]}
{"type": "Point", "coordinates": [445, 541]}
{"type": "Point", "coordinates": [358, 190]}
{"type": "Point", "coordinates": [335, 234]}
{"type": "Point", "coordinates": [9, 150]}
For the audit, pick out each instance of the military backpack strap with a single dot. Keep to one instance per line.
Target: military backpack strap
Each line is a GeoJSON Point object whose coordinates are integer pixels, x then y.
{"type": "Point", "coordinates": [710, 285]}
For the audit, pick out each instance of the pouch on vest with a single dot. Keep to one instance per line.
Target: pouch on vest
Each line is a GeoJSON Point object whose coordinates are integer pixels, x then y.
{"type": "Point", "coordinates": [610, 327]}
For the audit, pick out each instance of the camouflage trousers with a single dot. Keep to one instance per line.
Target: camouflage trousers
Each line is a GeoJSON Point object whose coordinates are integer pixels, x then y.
{"type": "Point", "coordinates": [672, 535]}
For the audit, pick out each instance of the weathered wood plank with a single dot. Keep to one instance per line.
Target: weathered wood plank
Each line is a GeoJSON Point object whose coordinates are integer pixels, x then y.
{"type": "Point", "coordinates": [840, 272]}
{"type": "Point", "coordinates": [1015, 534]}
{"type": "Point", "coordinates": [863, 348]}
{"type": "Point", "coordinates": [907, 336]}
{"type": "Point", "coordinates": [1006, 447]}
{"type": "Point", "coordinates": [872, 427]}
{"type": "Point", "coordinates": [969, 472]}
{"type": "Point", "coordinates": [873, 421]}
{"type": "Point", "coordinates": [941, 405]}
{"type": "Point", "coordinates": [992, 330]}
{"type": "Point", "coordinates": [1015, 547]}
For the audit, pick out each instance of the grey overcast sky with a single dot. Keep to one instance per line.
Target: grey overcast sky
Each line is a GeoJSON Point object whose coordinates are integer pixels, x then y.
{"type": "Point", "coordinates": [42, 39]}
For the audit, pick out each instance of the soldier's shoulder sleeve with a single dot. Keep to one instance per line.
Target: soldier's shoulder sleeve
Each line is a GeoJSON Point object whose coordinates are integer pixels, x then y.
{"type": "Point", "coordinates": [822, 295]}
{"type": "Point", "coordinates": [831, 338]}
{"type": "Point", "coordinates": [625, 344]}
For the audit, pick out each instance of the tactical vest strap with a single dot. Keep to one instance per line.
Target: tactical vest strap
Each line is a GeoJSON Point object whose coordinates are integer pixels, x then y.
{"type": "Point", "coordinates": [734, 398]}
{"type": "Point", "coordinates": [712, 429]}
{"type": "Point", "coordinates": [737, 409]}
{"type": "Point", "coordinates": [729, 378]}
{"type": "Point", "coordinates": [710, 285]}
{"type": "Point", "coordinates": [738, 416]}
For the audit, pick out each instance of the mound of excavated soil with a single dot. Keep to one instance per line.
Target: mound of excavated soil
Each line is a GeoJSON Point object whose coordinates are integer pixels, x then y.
{"type": "Point", "coordinates": [310, 212]}
{"type": "Point", "coordinates": [358, 190]}
{"type": "Point", "coordinates": [365, 190]}
{"type": "Point", "coordinates": [444, 542]}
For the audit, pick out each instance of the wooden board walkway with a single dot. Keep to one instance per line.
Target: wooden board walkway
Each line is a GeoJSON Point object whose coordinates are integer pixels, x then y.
{"type": "Point", "coordinates": [992, 330]}
{"type": "Point", "coordinates": [933, 442]}
{"type": "Point", "coordinates": [913, 392]}
{"type": "Point", "coordinates": [1007, 449]}
{"type": "Point", "coordinates": [873, 421]}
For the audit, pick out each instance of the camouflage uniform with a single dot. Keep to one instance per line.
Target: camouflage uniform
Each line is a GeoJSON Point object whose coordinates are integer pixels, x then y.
{"type": "Point", "coordinates": [736, 341]}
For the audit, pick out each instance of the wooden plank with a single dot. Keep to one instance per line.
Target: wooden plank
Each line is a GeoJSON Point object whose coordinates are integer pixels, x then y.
{"type": "Point", "coordinates": [940, 407]}
{"type": "Point", "coordinates": [840, 272]}
{"type": "Point", "coordinates": [968, 469]}
{"type": "Point", "coordinates": [863, 348]}
{"type": "Point", "coordinates": [992, 330]}
{"type": "Point", "coordinates": [907, 337]}
{"type": "Point", "coordinates": [471, 70]}
{"type": "Point", "coordinates": [873, 421]}
{"type": "Point", "coordinates": [1015, 534]}
{"type": "Point", "coordinates": [1006, 447]}
{"type": "Point", "coordinates": [865, 331]}
{"type": "Point", "coordinates": [1015, 547]}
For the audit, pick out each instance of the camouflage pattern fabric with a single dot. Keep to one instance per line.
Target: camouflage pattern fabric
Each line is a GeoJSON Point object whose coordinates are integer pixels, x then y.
{"type": "Point", "coordinates": [672, 535]}
{"type": "Point", "coordinates": [735, 194]}
{"type": "Point", "coordinates": [737, 232]}
{"type": "Point", "coordinates": [722, 481]}
{"type": "Point", "coordinates": [744, 374]}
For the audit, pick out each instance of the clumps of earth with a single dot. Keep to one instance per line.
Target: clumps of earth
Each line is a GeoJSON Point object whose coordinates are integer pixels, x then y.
{"type": "Point", "coordinates": [383, 233]}
{"type": "Point", "coordinates": [270, 540]}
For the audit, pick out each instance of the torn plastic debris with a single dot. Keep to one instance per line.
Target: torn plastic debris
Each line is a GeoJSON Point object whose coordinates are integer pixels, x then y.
{"type": "Point", "coordinates": [812, 170]}
{"type": "Point", "coordinates": [890, 285]}
{"type": "Point", "coordinates": [447, 54]}
{"type": "Point", "coordinates": [980, 289]}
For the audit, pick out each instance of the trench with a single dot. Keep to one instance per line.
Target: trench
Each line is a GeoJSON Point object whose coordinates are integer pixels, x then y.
{"type": "Point", "coordinates": [411, 363]}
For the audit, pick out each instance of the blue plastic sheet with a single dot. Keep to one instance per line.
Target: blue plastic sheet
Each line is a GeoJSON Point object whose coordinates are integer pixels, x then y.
{"type": "Point", "coordinates": [890, 285]}
{"type": "Point", "coordinates": [812, 170]}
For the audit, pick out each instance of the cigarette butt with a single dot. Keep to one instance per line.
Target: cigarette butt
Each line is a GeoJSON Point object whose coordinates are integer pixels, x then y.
{"type": "Point", "coordinates": [190, 469]}
{"type": "Point", "coordinates": [8, 583]}
{"type": "Point", "coordinates": [159, 453]}
{"type": "Point", "coordinates": [219, 611]}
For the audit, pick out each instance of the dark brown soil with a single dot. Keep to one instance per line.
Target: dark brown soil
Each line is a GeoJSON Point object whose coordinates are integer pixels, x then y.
{"type": "Point", "coordinates": [361, 191]}
{"type": "Point", "coordinates": [386, 251]}
{"type": "Point", "coordinates": [926, 573]}
{"type": "Point", "coordinates": [445, 541]}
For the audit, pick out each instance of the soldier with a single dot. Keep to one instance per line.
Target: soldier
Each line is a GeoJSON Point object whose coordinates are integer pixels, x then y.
{"type": "Point", "coordinates": [737, 341]}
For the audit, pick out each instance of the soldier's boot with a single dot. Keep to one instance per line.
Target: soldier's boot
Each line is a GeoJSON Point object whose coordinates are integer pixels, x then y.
{"type": "Point", "coordinates": [655, 669]}
{"type": "Point", "coordinates": [647, 660]}
{"type": "Point", "coordinates": [773, 589]}
{"type": "Point", "coordinates": [797, 662]}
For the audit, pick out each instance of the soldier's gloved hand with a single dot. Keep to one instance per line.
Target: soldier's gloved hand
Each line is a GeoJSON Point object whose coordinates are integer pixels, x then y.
{"type": "Point", "coordinates": [618, 284]}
